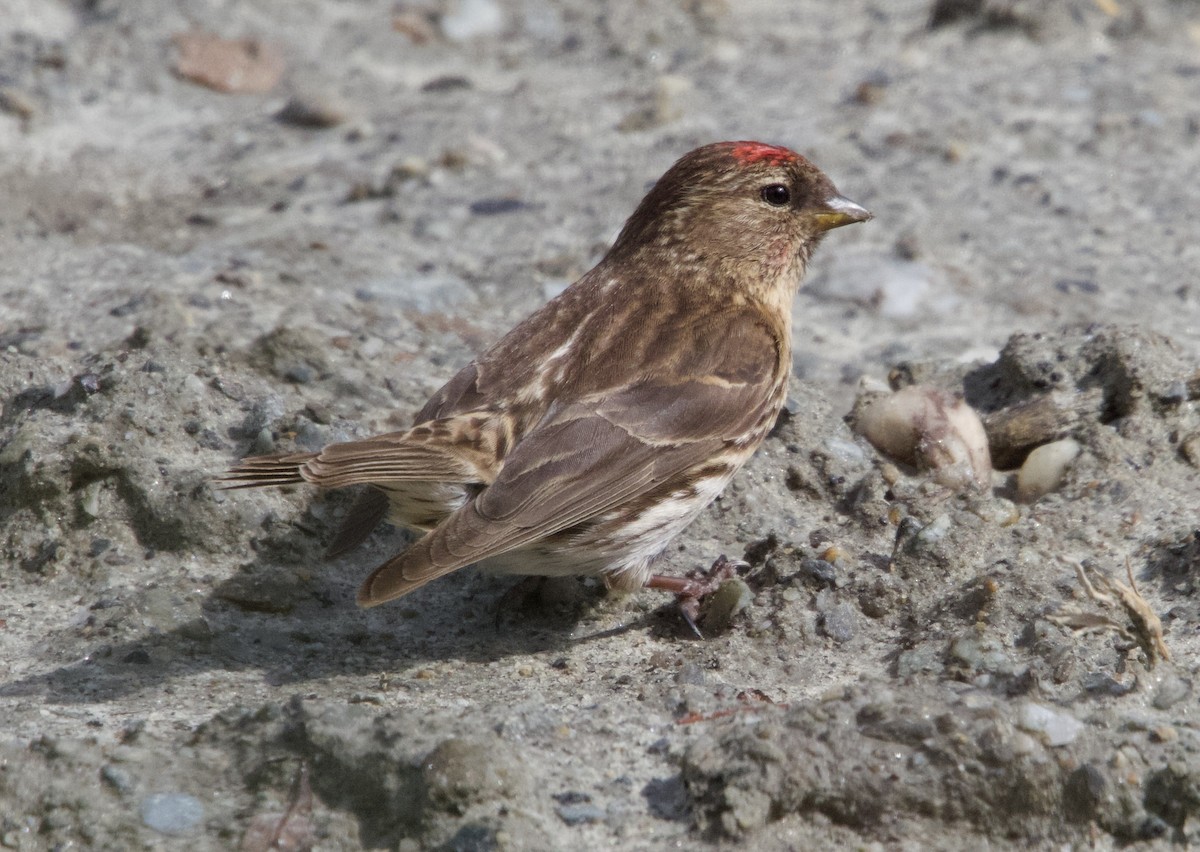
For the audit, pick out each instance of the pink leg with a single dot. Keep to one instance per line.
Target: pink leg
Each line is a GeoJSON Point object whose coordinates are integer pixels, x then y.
{"type": "Point", "coordinates": [695, 586]}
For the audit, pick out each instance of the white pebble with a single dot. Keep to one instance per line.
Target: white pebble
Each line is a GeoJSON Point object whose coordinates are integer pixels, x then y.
{"type": "Point", "coordinates": [471, 19]}
{"type": "Point", "coordinates": [1045, 468]}
{"type": "Point", "coordinates": [1057, 728]}
{"type": "Point", "coordinates": [845, 451]}
{"type": "Point", "coordinates": [193, 385]}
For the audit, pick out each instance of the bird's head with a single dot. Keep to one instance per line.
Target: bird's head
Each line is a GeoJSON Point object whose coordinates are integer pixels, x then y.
{"type": "Point", "coordinates": [745, 208]}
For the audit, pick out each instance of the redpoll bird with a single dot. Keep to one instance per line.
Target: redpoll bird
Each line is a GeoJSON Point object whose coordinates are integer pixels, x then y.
{"type": "Point", "coordinates": [592, 433]}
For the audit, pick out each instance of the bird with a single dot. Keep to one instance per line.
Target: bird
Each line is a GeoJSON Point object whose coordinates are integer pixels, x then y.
{"type": "Point", "coordinates": [589, 436]}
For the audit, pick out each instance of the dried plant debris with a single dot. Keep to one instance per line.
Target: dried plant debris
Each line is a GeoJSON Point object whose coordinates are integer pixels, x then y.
{"type": "Point", "coordinates": [1139, 624]}
{"type": "Point", "coordinates": [1017, 429]}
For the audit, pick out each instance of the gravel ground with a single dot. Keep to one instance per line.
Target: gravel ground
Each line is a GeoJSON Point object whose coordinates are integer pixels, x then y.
{"type": "Point", "coordinates": [189, 275]}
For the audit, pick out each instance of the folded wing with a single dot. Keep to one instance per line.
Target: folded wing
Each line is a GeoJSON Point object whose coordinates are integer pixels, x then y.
{"type": "Point", "coordinates": [599, 454]}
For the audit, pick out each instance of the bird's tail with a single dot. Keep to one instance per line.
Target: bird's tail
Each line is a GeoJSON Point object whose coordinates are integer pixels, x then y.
{"type": "Point", "coordinates": [259, 471]}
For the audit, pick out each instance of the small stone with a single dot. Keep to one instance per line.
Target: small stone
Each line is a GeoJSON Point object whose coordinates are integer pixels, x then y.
{"type": "Point", "coordinates": [1084, 792]}
{"type": "Point", "coordinates": [496, 206]}
{"type": "Point", "coordinates": [311, 437]}
{"type": "Point", "coordinates": [300, 374]}
{"type": "Point", "coordinates": [978, 654]}
{"type": "Point", "coordinates": [470, 19]}
{"type": "Point", "coordinates": [1056, 727]}
{"type": "Point", "coordinates": [228, 65]}
{"type": "Point", "coordinates": [311, 111]}
{"type": "Point", "coordinates": [691, 673]}
{"type": "Point", "coordinates": [923, 659]}
{"type": "Point", "coordinates": [1170, 691]}
{"type": "Point", "coordinates": [839, 623]}
{"type": "Point", "coordinates": [1163, 734]}
{"type": "Point", "coordinates": [15, 102]}
{"type": "Point", "coordinates": [89, 498]}
{"type": "Point", "coordinates": [463, 771]}
{"type": "Point", "coordinates": [173, 814]}
{"type": "Point", "coordinates": [1190, 447]}
{"type": "Point", "coordinates": [932, 532]}
{"type": "Point", "coordinates": [579, 814]}
{"type": "Point", "coordinates": [447, 83]}
{"type": "Point", "coordinates": [818, 572]}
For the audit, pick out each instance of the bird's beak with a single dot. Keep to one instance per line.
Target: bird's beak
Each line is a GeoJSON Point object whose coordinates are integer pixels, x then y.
{"type": "Point", "coordinates": [838, 211]}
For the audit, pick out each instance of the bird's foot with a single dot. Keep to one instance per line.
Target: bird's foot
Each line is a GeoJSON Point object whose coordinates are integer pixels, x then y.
{"type": "Point", "coordinates": [691, 589]}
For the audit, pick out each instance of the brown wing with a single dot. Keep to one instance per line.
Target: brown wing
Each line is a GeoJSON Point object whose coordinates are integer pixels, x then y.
{"type": "Point", "coordinates": [598, 455]}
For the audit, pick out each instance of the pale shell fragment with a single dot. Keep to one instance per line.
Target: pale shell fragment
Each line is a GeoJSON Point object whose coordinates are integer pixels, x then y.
{"type": "Point", "coordinates": [928, 428]}
{"type": "Point", "coordinates": [1045, 468]}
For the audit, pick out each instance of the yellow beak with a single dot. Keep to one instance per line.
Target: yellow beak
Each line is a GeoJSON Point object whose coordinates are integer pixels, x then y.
{"type": "Point", "coordinates": [838, 211]}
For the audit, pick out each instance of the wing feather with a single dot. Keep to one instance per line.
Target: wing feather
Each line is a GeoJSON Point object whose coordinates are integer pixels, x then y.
{"type": "Point", "coordinates": [593, 457]}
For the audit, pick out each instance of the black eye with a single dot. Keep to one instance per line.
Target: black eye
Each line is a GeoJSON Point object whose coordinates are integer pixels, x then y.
{"type": "Point", "coordinates": [776, 194]}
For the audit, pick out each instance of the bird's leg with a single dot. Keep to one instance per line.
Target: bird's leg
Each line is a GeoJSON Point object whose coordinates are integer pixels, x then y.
{"type": "Point", "coordinates": [692, 588]}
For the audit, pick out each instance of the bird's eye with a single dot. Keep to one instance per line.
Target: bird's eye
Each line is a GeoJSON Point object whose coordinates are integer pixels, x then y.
{"type": "Point", "coordinates": [776, 194]}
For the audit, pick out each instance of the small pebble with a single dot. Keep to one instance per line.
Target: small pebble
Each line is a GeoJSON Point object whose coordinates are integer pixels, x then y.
{"type": "Point", "coordinates": [469, 19]}
{"type": "Point", "coordinates": [1190, 447]}
{"type": "Point", "coordinates": [174, 814]}
{"type": "Point", "coordinates": [933, 532]}
{"type": "Point", "coordinates": [579, 814]}
{"type": "Point", "coordinates": [311, 437]}
{"type": "Point", "coordinates": [1056, 727]}
{"type": "Point", "coordinates": [311, 111]}
{"type": "Point", "coordinates": [15, 102]}
{"type": "Point", "coordinates": [117, 778]}
{"type": "Point", "coordinates": [300, 374]}
{"type": "Point", "coordinates": [839, 623]}
{"type": "Point", "coordinates": [496, 206]}
{"type": "Point", "coordinates": [1163, 734]}
{"type": "Point", "coordinates": [1045, 468]}
{"type": "Point", "coordinates": [1170, 691]}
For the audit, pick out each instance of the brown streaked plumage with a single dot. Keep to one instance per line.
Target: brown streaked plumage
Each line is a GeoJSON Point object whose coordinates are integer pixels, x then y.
{"type": "Point", "coordinates": [599, 427]}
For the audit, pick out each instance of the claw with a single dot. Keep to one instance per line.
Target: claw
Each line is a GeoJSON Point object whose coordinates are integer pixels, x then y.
{"type": "Point", "coordinates": [691, 589]}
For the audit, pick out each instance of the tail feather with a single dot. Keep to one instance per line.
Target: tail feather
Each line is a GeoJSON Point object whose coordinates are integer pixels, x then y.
{"type": "Point", "coordinates": [263, 471]}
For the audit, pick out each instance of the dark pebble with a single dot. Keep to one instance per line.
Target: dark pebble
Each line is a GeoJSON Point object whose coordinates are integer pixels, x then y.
{"type": "Point", "coordinates": [447, 83]}
{"type": "Point", "coordinates": [494, 206]}
{"type": "Point", "coordinates": [839, 623]}
{"type": "Point", "coordinates": [301, 374]}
